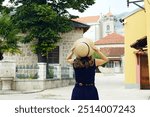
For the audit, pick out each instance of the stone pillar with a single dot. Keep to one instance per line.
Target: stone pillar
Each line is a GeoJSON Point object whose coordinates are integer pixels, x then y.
{"type": "Point", "coordinates": [58, 71]}
{"type": "Point", "coordinates": [70, 72]}
{"type": "Point", "coordinates": [42, 71]}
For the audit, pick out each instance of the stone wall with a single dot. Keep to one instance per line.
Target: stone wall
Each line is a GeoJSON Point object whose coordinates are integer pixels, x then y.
{"type": "Point", "coordinates": [32, 84]}
{"type": "Point", "coordinates": [28, 58]}
{"type": "Point", "coordinates": [67, 42]}
{"type": "Point", "coordinates": [38, 84]}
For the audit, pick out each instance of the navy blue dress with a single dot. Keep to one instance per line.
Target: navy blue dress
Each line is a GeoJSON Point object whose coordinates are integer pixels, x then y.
{"type": "Point", "coordinates": [84, 88]}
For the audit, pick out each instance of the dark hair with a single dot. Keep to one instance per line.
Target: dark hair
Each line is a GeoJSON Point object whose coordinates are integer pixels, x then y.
{"type": "Point", "coordinates": [83, 62]}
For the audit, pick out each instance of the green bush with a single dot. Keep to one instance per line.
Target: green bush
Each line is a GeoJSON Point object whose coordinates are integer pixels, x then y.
{"type": "Point", "coordinates": [50, 72]}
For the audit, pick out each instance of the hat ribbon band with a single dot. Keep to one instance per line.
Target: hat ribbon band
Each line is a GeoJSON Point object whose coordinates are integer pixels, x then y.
{"type": "Point", "coordinates": [88, 48]}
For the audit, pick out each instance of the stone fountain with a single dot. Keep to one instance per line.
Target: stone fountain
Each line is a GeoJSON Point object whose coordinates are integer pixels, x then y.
{"type": "Point", "coordinates": [7, 74]}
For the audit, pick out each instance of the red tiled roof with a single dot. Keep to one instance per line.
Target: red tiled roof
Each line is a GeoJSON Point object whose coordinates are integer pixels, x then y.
{"type": "Point", "coordinates": [88, 19]}
{"type": "Point", "coordinates": [113, 38]}
{"type": "Point", "coordinates": [113, 51]}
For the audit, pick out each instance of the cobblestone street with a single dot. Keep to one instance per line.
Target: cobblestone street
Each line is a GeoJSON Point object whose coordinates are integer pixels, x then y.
{"type": "Point", "coordinates": [110, 87]}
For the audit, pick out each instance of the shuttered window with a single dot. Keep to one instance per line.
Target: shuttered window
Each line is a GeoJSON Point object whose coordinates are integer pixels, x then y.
{"type": "Point", "coordinates": [53, 57]}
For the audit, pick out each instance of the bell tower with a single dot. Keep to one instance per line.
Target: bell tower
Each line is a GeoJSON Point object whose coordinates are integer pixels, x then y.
{"type": "Point", "coordinates": [108, 23]}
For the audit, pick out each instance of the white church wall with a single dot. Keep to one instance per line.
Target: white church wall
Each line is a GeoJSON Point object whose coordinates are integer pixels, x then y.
{"type": "Point", "coordinates": [94, 32]}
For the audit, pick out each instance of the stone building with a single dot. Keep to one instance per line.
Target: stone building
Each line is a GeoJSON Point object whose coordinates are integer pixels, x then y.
{"type": "Point", "coordinates": [28, 60]}
{"type": "Point", "coordinates": [29, 73]}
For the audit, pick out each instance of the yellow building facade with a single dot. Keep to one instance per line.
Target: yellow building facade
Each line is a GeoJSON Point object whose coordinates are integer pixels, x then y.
{"type": "Point", "coordinates": [136, 27]}
{"type": "Point", "coordinates": [147, 8]}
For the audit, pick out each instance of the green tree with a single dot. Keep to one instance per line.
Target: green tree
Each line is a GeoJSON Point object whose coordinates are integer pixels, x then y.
{"type": "Point", "coordinates": [45, 20]}
{"type": "Point", "coordinates": [4, 9]}
{"type": "Point", "coordinates": [8, 36]}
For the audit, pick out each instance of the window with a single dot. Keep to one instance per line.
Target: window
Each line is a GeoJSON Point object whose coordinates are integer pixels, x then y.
{"type": "Point", "coordinates": [108, 28]}
{"type": "Point", "coordinates": [110, 64]}
{"type": "Point", "coordinates": [53, 57]}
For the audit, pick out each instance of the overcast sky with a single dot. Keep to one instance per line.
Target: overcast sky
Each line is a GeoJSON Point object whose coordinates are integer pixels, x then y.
{"type": "Point", "coordinates": [102, 6]}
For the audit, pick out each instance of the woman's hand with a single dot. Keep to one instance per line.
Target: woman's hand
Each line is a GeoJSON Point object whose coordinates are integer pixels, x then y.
{"type": "Point", "coordinates": [69, 56]}
{"type": "Point", "coordinates": [72, 49]}
{"type": "Point", "coordinates": [95, 48]}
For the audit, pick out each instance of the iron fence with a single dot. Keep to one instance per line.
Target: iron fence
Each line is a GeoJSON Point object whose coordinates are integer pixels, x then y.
{"type": "Point", "coordinates": [27, 71]}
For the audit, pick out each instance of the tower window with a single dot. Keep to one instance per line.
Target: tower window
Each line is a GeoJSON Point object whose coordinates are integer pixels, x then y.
{"type": "Point", "coordinates": [108, 28]}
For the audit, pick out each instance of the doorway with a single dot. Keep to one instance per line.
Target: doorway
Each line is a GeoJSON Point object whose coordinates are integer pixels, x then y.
{"type": "Point", "coordinates": [144, 72]}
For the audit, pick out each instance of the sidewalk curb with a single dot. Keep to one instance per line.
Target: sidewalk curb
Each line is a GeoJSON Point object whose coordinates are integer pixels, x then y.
{"type": "Point", "coordinates": [10, 92]}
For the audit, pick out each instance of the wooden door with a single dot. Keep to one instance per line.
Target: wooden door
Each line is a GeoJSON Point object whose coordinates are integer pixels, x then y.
{"type": "Point", "coordinates": [144, 73]}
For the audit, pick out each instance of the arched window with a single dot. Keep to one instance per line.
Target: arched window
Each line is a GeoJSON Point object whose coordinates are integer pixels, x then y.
{"type": "Point", "coordinates": [108, 28]}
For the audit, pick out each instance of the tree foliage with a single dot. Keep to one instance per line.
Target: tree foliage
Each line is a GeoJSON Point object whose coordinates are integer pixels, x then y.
{"type": "Point", "coordinates": [8, 35]}
{"type": "Point", "coordinates": [8, 32]}
{"type": "Point", "coordinates": [44, 20]}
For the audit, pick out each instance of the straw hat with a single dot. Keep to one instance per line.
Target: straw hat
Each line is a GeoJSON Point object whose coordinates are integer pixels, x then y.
{"type": "Point", "coordinates": [83, 47]}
